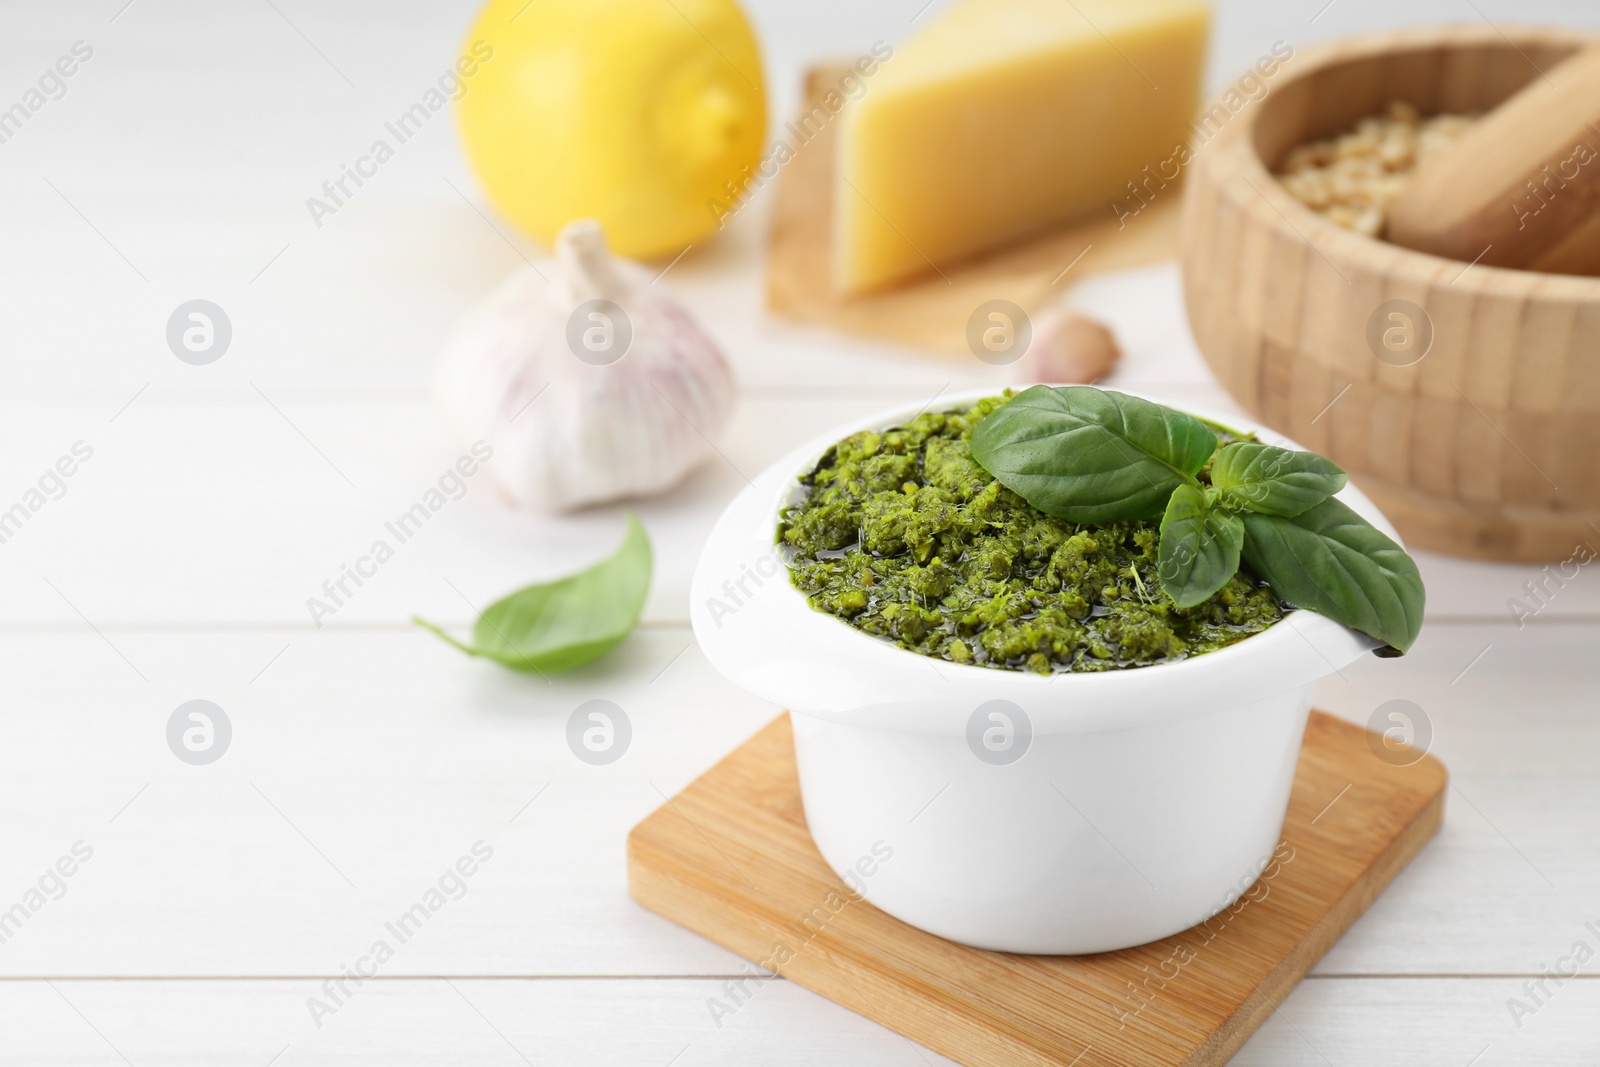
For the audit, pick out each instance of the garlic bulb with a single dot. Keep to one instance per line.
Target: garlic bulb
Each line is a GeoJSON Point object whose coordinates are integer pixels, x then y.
{"type": "Point", "coordinates": [590, 386]}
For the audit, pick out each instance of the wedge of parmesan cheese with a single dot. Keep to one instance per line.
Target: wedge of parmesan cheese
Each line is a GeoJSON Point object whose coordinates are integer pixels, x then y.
{"type": "Point", "coordinates": [1004, 116]}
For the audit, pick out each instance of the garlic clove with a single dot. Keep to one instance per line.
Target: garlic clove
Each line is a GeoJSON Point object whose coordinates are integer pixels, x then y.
{"type": "Point", "coordinates": [590, 383]}
{"type": "Point", "coordinates": [1068, 347]}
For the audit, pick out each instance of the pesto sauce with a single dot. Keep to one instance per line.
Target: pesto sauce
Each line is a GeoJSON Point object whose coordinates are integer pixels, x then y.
{"type": "Point", "coordinates": [904, 536]}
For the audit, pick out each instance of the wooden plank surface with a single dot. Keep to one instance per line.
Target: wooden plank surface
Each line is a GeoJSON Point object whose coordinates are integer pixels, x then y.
{"type": "Point", "coordinates": [611, 1022]}
{"type": "Point", "coordinates": [730, 857]}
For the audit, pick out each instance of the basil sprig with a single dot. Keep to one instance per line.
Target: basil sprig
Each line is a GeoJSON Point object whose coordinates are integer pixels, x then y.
{"type": "Point", "coordinates": [1095, 456]}
{"type": "Point", "coordinates": [559, 625]}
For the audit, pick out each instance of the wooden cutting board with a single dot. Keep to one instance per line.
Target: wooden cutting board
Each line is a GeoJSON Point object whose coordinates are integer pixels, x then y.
{"type": "Point", "coordinates": [730, 858]}
{"type": "Point", "coordinates": [931, 312]}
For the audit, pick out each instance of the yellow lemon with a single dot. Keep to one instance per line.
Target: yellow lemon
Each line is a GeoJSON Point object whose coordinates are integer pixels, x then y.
{"type": "Point", "coordinates": [637, 113]}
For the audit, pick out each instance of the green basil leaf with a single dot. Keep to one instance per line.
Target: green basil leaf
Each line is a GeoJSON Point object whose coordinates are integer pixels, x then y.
{"type": "Point", "coordinates": [1091, 455]}
{"type": "Point", "coordinates": [1272, 480]}
{"type": "Point", "coordinates": [559, 625]}
{"type": "Point", "coordinates": [1199, 549]}
{"type": "Point", "coordinates": [1330, 560]}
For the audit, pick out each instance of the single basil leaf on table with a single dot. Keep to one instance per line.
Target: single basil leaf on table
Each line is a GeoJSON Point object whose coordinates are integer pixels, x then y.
{"type": "Point", "coordinates": [1091, 455]}
{"type": "Point", "coordinates": [1273, 480]}
{"type": "Point", "coordinates": [1331, 561]}
{"type": "Point", "coordinates": [1199, 549]}
{"type": "Point", "coordinates": [559, 625]}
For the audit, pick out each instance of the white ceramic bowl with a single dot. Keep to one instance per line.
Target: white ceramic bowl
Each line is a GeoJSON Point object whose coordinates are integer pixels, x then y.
{"type": "Point", "coordinates": [1145, 800]}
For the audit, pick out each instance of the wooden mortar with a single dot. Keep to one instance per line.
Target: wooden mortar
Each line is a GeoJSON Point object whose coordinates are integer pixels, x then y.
{"type": "Point", "coordinates": [1482, 440]}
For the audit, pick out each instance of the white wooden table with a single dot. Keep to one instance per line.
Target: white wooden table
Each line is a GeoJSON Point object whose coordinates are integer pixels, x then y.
{"type": "Point", "coordinates": [367, 757]}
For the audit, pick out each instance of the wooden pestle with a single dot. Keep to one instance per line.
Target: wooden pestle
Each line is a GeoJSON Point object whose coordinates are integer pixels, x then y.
{"type": "Point", "coordinates": [1521, 188]}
